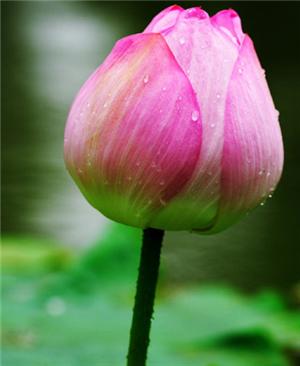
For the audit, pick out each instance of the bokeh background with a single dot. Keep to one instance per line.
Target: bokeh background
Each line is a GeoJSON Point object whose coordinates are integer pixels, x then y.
{"type": "Point", "coordinates": [68, 272]}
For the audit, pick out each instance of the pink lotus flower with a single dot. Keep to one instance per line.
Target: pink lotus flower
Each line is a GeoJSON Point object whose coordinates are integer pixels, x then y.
{"type": "Point", "coordinates": [177, 129]}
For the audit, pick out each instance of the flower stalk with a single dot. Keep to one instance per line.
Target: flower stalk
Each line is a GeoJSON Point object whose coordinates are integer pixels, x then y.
{"type": "Point", "coordinates": [144, 298]}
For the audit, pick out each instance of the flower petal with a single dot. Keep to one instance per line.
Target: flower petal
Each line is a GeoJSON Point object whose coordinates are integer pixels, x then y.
{"type": "Point", "coordinates": [131, 142]}
{"type": "Point", "coordinates": [207, 56]}
{"type": "Point", "coordinates": [253, 151]}
{"type": "Point", "coordinates": [228, 22]}
{"type": "Point", "coordinates": [164, 20]}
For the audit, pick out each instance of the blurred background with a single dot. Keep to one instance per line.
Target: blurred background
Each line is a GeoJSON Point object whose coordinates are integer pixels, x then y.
{"type": "Point", "coordinates": [69, 273]}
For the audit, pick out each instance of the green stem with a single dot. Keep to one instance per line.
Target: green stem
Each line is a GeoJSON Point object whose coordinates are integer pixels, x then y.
{"type": "Point", "coordinates": [144, 298]}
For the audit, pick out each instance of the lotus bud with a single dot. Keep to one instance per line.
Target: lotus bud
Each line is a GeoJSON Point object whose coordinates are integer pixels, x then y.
{"type": "Point", "coordinates": [177, 129]}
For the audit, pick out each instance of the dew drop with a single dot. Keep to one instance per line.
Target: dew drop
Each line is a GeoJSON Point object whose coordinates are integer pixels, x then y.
{"type": "Point", "coordinates": [263, 71]}
{"type": "Point", "coordinates": [195, 116]}
{"type": "Point", "coordinates": [212, 125]}
{"type": "Point", "coordinates": [146, 79]}
{"type": "Point", "coordinates": [105, 105]}
{"type": "Point", "coordinates": [270, 195]}
{"type": "Point", "coordinates": [272, 189]}
{"type": "Point", "coordinates": [240, 70]}
{"type": "Point", "coordinates": [180, 97]}
{"type": "Point", "coordinates": [261, 172]}
{"type": "Point", "coordinates": [218, 96]}
{"type": "Point", "coordinates": [262, 203]}
{"type": "Point", "coordinates": [268, 174]}
{"type": "Point", "coordinates": [162, 183]}
{"type": "Point", "coordinates": [182, 40]}
{"type": "Point", "coordinates": [164, 88]}
{"type": "Point", "coordinates": [88, 105]}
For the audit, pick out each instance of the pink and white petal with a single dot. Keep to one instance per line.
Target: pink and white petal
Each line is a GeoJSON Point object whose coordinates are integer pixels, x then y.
{"type": "Point", "coordinates": [253, 150]}
{"type": "Point", "coordinates": [164, 20]}
{"type": "Point", "coordinates": [131, 144]}
{"type": "Point", "coordinates": [207, 56]}
{"type": "Point", "coordinates": [229, 22]}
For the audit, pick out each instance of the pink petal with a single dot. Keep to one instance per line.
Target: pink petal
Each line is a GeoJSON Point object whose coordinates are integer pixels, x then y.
{"type": "Point", "coordinates": [253, 151]}
{"type": "Point", "coordinates": [207, 56]}
{"type": "Point", "coordinates": [228, 22]}
{"type": "Point", "coordinates": [164, 20]}
{"type": "Point", "coordinates": [131, 142]}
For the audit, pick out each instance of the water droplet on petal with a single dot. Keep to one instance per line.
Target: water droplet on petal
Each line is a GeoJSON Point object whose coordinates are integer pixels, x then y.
{"type": "Point", "coordinates": [240, 70]}
{"type": "Point", "coordinates": [138, 163]}
{"type": "Point", "coordinates": [146, 79]}
{"type": "Point", "coordinates": [162, 182]}
{"type": "Point", "coordinates": [212, 125]}
{"type": "Point", "coordinates": [195, 116]}
{"type": "Point", "coordinates": [218, 96]}
{"type": "Point", "coordinates": [164, 88]}
{"type": "Point", "coordinates": [261, 172]}
{"type": "Point", "coordinates": [268, 174]}
{"type": "Point", "coordinates": [270, 196]}
{"type": "Point", "coordinates": [105, 105]}
{"type": "Point", "coordinates": [180, 97]}
{"type": "Point", "coordinates": [182, 40]}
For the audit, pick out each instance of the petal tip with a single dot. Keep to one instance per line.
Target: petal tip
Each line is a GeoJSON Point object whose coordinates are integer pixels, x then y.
{"type": "Point", "coordinates": [229, 22]}
{"type": "Point", "coordinates": [196, 12]}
